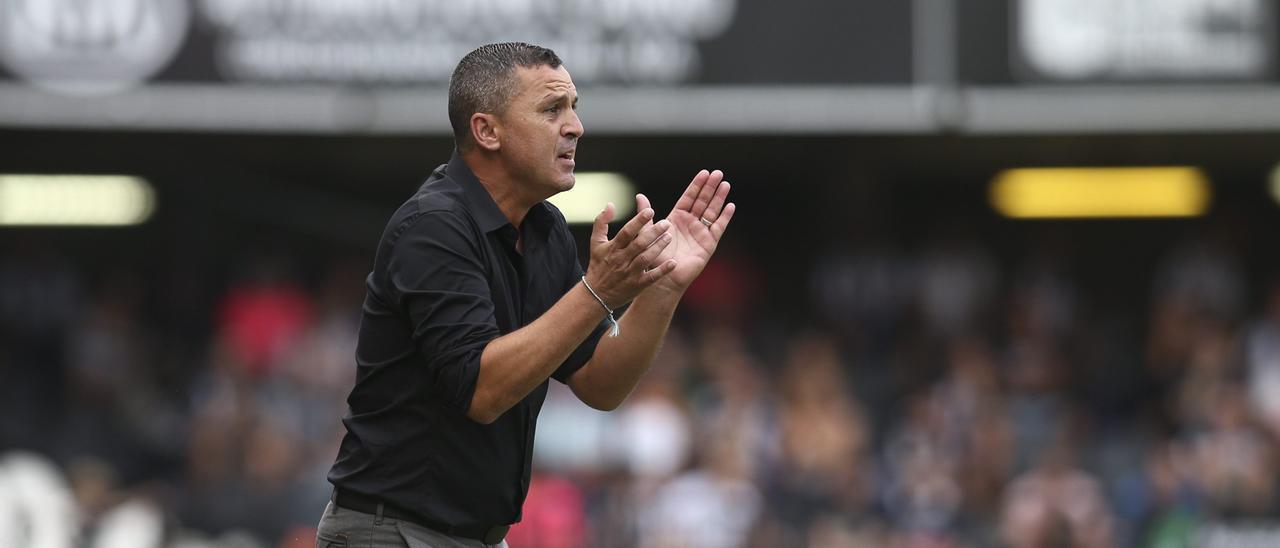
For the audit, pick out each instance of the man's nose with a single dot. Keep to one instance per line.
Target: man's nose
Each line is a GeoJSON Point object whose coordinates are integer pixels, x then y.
{"type": "Point", "coordinates": [574, 127]}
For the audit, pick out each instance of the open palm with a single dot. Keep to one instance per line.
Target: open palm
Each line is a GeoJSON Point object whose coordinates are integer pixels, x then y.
{"type": "Point", "coordinates": [698, 221]}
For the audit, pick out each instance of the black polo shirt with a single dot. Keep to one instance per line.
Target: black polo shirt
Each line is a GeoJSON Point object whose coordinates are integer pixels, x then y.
{"type": "Point", "coordinates": [447, 279]}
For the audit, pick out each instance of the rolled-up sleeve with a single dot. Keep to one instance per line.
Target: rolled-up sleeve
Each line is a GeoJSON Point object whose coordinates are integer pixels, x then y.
{"type": "Point", "coordinates": [437, 276]}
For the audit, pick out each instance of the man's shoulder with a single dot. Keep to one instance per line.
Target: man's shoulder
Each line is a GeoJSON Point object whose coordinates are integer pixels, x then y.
{"type": "Point", "coordinates": [439, 199]}
{"type": "Point", "coordinates": [439, 192]}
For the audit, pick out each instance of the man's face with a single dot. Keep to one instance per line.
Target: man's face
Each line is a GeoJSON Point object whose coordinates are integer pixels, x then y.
{"type": "Point", "coordinates": [542, 129]}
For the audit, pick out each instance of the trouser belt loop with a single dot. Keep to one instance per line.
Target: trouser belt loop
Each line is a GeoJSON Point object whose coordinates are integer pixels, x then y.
{"type": "Point", "coordinates": [377, 517]}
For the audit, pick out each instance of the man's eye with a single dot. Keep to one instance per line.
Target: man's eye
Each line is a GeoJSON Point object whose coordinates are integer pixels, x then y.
{"type": "Point", "coordinates": [553, 109]}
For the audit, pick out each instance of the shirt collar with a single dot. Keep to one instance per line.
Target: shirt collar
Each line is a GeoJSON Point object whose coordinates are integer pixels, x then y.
{"type": "Point", "coordinates": [486, 211]}
{"type": "Point", "coordinates": [483, 207]}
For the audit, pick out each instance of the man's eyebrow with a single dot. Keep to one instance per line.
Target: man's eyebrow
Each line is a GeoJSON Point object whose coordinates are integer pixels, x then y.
{"type": "Point", "coordinates": [556, 97]}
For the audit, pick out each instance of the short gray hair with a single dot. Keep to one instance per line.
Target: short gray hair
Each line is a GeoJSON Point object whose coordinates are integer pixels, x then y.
{"type": "Point", "coordinates": [484, 81]}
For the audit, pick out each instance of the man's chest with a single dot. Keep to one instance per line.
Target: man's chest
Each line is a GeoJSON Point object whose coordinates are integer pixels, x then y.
{"type": "Point", "coordinates": [524, 284]}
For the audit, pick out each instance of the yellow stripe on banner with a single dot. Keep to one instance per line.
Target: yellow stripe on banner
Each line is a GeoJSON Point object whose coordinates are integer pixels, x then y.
{"type": "Point", "coordinates": [1064, 193]}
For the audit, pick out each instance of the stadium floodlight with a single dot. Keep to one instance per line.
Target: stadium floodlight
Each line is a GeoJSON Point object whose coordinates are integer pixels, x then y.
{"type": "Point", "coordinates": [1275, 183]}
{"type": "Point", "coordinates": [591, 191]}
{"type": "Point", "coordinates": [75, 200]}
{"type": "Point", "coordinates": [1125, 192]}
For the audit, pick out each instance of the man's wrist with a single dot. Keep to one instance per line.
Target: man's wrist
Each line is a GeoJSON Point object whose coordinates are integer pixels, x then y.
{"type": "Point", "coordinates": [663, 292]}
{"type": "Point", "coordinates": [600, 292]}
{"type": "Point", "coordinates": [609, 311]}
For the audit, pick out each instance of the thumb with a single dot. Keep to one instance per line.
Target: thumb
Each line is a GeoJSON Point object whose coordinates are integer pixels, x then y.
{"type": "Point", "coordinates": [642, 203]}
{"type": "Point", "coordinates": [600, 228]}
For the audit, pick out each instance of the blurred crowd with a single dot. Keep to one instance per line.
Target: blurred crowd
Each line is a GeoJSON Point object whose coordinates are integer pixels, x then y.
{"type": "Point", "coordinates": [932, 398]}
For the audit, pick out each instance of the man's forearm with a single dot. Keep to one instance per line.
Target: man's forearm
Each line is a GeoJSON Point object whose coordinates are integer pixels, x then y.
{"type": "Point", "coordinates": [514, 364]}
{"type": "Point", "coordinates": [619, 362]}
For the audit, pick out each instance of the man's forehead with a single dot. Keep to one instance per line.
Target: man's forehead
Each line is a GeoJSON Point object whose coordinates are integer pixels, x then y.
{"type": "Point", "coordinates": [544, 80]}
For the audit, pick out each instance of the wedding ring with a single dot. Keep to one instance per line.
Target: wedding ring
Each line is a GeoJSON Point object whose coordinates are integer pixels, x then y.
{"type": "Point", "coordinates": [705, 222]}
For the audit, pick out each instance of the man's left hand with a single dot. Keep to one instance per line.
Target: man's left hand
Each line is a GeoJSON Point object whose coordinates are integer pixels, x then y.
{"type": "Point", "coordinates": [698, 221]}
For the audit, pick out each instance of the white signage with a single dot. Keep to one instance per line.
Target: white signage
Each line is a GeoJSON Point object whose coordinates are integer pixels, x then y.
{"type": "Point", "coordinates": [420, 41]}
{"type": "Point", "coordinates": [1137, 39]}
{"type": "Point", "coordinates": [107, 46]}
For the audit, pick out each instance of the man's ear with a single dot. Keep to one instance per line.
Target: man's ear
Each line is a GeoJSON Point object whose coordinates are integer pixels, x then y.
{"type": "Point", "coordinates": [485, 131]}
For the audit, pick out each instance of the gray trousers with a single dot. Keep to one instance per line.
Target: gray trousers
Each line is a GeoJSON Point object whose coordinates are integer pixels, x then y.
{"type": "Point", "coordinates": [343, 528]}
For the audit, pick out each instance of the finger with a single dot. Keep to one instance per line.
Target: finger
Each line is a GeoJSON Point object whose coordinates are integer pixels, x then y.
{"type": "Point", "coordinates": [656, 273]}
{"type": "Point", "coordinates": [632, 228]}
{"type": "Point", "coordinates": [645, 260]}
{"type": "Point", "coordinates": [642, 202]}
{"type": "Point", "coordinates": [650, 234]}
{"type": "Point", "coordinates": [600, 228]}
{"type": "Point", "coordinates": [704, 196]}
{"type": "Point", "coordinates": [690, 194]}
{"type": "Point", "coordinates": [717, 202]}
{"type": "Point", "coordinates": [722, 222]}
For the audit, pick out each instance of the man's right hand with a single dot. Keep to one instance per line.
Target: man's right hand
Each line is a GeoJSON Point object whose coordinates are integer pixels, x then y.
{"type": "Point", "coordinates": [623, 267]}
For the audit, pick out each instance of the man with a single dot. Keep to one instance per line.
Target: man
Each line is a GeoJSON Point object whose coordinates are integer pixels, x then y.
{"type": "Point", "coordinates": [476, 298]}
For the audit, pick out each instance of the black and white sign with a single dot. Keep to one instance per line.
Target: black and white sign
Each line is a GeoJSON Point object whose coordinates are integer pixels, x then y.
{"type": "Point", "coordinates": [77, 46]}
{"type": "Point", "coordinates": [649, 66]}
{"type": "Point", "coordinates": [104, 46]}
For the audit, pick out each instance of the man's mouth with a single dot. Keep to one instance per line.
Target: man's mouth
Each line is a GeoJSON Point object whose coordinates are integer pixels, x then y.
{"type": "Point", "coordinates": [567, 155]}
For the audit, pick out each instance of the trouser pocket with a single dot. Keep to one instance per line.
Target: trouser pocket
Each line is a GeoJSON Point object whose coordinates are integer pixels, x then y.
{"type": "Point", "coordinates": [338, 540]}
{"type": "Point", "coordinates": [330, 532]}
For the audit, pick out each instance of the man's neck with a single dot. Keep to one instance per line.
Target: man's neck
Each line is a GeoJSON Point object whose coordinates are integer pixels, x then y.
{"type": "Point", "coordinates": [502, 187]}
